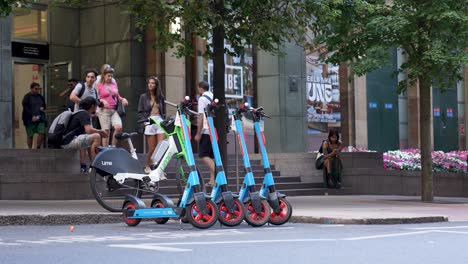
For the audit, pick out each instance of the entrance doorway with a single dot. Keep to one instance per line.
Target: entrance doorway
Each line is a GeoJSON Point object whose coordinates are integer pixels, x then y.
{"type": "Point", "coordinates": [24, 74]}
{"type": "Point", "coordinates": [53, 80]}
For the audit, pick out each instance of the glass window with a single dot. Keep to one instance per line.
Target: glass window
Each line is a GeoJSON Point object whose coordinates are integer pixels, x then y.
{"type": "Point", "coordinates": [238, 77]}
{"type": "Point", "coordinates": [30, 24]}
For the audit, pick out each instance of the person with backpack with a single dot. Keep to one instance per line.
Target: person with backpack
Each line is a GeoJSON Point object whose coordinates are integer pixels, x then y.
{"type": "Point", "coordinates": [81, 91]}
{"type": "Point", "coordinates": [79, 133]}
{"type": "Point", "coordinates": [205, 150]}
{"type": "Point", "coordinates": [33, 115]}
{"type": "Point", "coordinates": [84, 89]}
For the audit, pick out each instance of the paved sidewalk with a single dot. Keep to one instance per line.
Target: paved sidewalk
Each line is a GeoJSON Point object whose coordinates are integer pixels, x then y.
{"type": "Point", "coordinates": [306, 209]}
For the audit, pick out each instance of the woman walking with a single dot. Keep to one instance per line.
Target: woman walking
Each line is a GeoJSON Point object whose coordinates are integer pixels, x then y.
{"type": "Point", "coordinates": [109, 96]}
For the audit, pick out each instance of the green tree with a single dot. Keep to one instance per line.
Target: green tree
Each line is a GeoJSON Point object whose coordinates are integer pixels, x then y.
{"type": "Point", "coordinates": [265, 24]}
{"type": "Point", "coordinates": [433, 35]}
{"type": "Point", "coordinates": [7, 6]}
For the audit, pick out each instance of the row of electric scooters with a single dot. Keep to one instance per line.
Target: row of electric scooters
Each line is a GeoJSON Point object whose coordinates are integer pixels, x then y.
{"type": "Point", "coordinates": [196, 207]}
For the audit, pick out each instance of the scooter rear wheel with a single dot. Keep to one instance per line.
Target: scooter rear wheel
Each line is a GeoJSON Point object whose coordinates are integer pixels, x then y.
{"type": "Point", "coordinates": [108, 193]}
{"type": "Point", "coordinates": [231, 219]}
{"type": "Point", "coordinates": [159, 204]}
{"type": "Point", "coordinates": [257, 219]}
{"type": "Point", "coordinates": [130, 221]}
{"type": "Point", "coordinates": [283, 215]}
{"type": "Point", "coordinates": [202, 221]}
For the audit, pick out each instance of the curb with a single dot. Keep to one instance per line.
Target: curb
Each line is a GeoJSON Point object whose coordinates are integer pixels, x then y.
{"type": "Point", "coordinates": [83, 219]}
{"type": "Point", "coordinates": [60, 219]}
{"type": "Point", "coordinates": [367, 221]}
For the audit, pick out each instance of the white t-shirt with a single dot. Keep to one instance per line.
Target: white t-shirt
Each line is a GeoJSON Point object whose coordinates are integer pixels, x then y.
{"type": "Point", "coordinates": [203, 102]}
{"type": "Point", "coordinates": [89, 91]}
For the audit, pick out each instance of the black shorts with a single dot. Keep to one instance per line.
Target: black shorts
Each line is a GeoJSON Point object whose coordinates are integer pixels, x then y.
{"type": "Point", "coordinates": [204, 147]}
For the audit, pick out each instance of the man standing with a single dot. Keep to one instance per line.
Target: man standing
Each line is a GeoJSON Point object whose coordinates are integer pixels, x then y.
{"type": "Point", "coordinates": [33, 115]}
{"type": "Point", "coordinates": [89, 89]}
{"type": "Point", "coordinates": [81, 91]}
{"type": "Point", "coordinates": [80, 134]}
{"type": "Point", "coordinates": [205, 151]}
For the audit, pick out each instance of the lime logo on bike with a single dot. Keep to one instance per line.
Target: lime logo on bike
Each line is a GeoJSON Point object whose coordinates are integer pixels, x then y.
{"type": "Point", "coordinates": [165, 162]}
{"type": "Point", "coordinates": [106, 163]}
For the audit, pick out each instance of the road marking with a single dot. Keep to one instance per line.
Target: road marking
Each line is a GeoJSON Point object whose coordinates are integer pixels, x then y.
{"type": "Point", "coordinates": [450, 232]}
{"type": "Point", "coordinates": [438, 228]}
{"type": "Point", "coordinates": [150, 246]}
{"type": "Point", "coordinates": [330, 225]}
{"type": "Point", "coordinates": [387, 235]}
{"type": "Point", "coordinates": [155, 247]}
{"type": "Point", "coordinates": [8, 243]}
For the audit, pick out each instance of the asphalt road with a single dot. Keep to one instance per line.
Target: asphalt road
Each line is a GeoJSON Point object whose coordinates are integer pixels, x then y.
{"type": "Point", "coordinates": [291, 243]}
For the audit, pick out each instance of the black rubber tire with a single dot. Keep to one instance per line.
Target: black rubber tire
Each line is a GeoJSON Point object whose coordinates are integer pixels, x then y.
{"type": "Point", "coordinates": [229, 219]}
{"type": "Point", "coordinates": [130, 221]}
{"type": "Point", "coordinates": [257, 219]}
{"type": "Point", "coordinates": [160, 204]}
{"type": "Point", "coordinates": [202, 221]}
{"type": "Point", "coordinates": [284, 214]}
{"type": "Point", "coordinates": [111, 200]}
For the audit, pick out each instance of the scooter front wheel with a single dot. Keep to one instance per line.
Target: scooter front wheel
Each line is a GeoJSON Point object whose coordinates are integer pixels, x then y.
{"type": "Point", "coordinates": [159, 204]}
{"type": "Point", "coordinates": [130, 221]}
{"type": "Point", "coordinates": [254, 218]}
{"type": "Point", "coordinates": [199, 220]}
{"type": "Point", "coordinates": [284, 213]}
{"type": "Point", "coordinates": [110, 194]}
{"type": "Point", "coordinates": [231, 219]}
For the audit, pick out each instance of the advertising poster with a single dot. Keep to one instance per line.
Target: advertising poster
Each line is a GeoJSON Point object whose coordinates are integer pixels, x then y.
{"type": "Point", "coordinates": [323, 95]}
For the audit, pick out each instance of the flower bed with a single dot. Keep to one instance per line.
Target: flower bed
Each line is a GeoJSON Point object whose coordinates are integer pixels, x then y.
{"type": "Point", "coordinates": [410, 159]}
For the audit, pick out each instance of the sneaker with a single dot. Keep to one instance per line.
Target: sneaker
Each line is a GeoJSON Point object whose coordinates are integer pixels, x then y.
{"type": "Point", "coordinates": [147, 170]}
{"type": "Point", "coordinates": [163, 177]}
{"type": "Point", "coordinates": [83, 168]}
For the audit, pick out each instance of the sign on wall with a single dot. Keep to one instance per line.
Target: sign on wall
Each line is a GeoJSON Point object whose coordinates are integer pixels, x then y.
{"type": "Point", "coordinates": [30, 50]}
{"type": "Point", "coordinates": [233, 80]}
{"type": "Point", "coordinates": [323, 94]}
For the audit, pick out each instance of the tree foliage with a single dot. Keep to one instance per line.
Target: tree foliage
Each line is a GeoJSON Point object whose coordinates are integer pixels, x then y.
{"type": "Point", "coordinates": [433, 34]}
{"type": "Point", "coordinates": [7, 6]}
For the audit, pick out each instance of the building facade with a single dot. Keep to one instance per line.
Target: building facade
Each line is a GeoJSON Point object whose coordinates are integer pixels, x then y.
{"type": "Point", "coordinates": [305, 97]}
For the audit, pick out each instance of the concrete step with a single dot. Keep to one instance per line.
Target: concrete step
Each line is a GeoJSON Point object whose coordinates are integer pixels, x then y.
{"type": "Point", "coordinates": [172, 192]}
{"type": "Point", "coordinates": [316, 191]}
{"type": "Point", "coordinates": [231, 181]}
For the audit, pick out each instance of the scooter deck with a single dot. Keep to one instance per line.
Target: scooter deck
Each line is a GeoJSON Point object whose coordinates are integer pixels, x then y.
{"type": "Point", "coordinates": [153, 213]}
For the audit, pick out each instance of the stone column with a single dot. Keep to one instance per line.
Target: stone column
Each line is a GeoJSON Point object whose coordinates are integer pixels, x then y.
{"type": "Point", "coordinates": [402, 104]}
{"type": "Point", "coordinates": [282, 92]}
{"type": "Point", "coordinates": [465, 97]}
{"type": "Point", "coordinates": [174, 79]}
{"type": "Point", "coordinates": [348, 136]}
{"type": "Point", "coordinates": [360, 102]}
{"type": "Point", "coordinates": [6, 85]}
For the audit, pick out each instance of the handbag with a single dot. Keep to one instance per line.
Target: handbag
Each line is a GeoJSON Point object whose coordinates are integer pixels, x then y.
{"type": "Point", "coordinates": [119, 107]}
{"type": "Point", "coordinates": [319, 160]}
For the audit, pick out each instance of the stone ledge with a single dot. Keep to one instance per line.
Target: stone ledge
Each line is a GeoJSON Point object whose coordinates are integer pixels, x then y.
{"type": "Point", "coordinates": [367, 221]}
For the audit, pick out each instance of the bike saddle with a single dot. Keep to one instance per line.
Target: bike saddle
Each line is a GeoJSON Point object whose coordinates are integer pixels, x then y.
{"type": "Point", "coordinates": [125, 135]}
{"type": "Point", "coordinates": [168, 125]}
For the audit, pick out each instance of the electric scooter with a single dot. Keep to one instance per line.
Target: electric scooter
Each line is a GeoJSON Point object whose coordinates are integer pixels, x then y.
{"type": "Point", "coordinates": [116, 172]}
{"type": "Point", "coordinates": [231, 209]}
{"type": "Point", "coordinates": [257, 209]}
{"type": "Point", "coordinates": [194, 204]}
{"type": "Point", "coordinates": [282, 209]}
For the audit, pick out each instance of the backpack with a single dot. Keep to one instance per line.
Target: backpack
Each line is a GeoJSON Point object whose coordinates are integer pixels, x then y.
{"type": "Point", "coordinates": [58, 128]}
{"type": "Point", "coordinates": [69, 104]}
